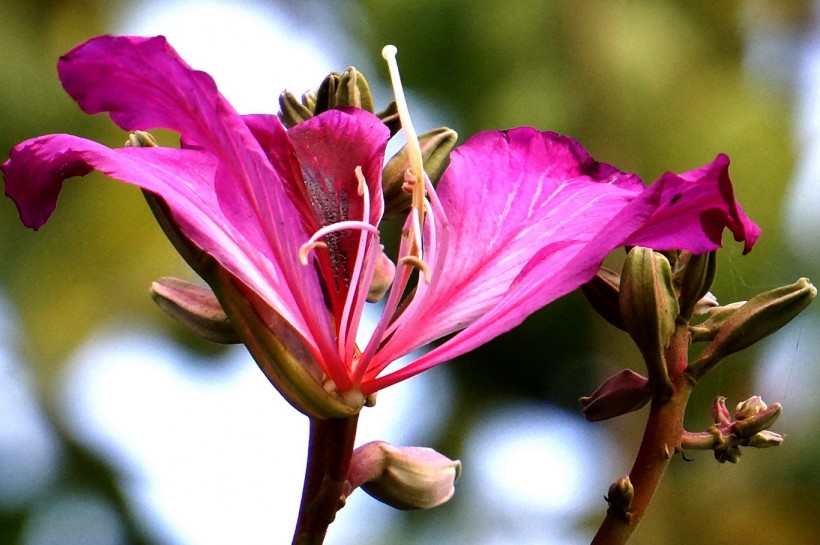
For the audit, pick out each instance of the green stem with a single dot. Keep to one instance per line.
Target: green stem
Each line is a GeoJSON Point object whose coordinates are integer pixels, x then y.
{"type": "Point", "coordinates": [329, 453]}
{"type": "Point", "coordinates": [660, 441]}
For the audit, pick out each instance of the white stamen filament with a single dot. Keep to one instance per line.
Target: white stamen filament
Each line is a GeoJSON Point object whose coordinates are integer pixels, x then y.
{"type": "Point", "coordinates": [314, 242]}
{"type": "Point", "coordinates": [415, 256]}
{"type": "Point", "coordinates": [345, 340]}
{"type": "Point", "coordinates": [413, 146]}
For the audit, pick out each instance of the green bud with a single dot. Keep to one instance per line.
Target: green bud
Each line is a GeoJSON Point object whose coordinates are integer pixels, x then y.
{"type": "Point", "coordinates": [292, 112]}
{"type": "Point", "coordinates": [694, 278]}
{"type": "Point", "coordinates": [759, 317]}
{"type": "Point", "coordinates": [602, 293]}
{"type": "Point", "coordinates": [622, 393]}
{"type": "Point", "coordinates": [403, 477]}
{"type": "Point", "coordinates": [390, 117]}
{"type": "Point", "coordinates": [309, 100]}
{"type": "Point", "coordinates": [436, 146]}
{"type": "Point", "coordinates": [715, 318]}
{"type": "Point", "coordinates": [326, 94]}
{"type": "Point", "coordinates": [353, 90]}
{"type": "Point", "coordinates": [649, 308]}
{"type": "Point", "coordinates": [720, 414]}
{"type": "Point", "coordinates": [141, 139]}
{"type": "Point", "coordinates": [195, 307]}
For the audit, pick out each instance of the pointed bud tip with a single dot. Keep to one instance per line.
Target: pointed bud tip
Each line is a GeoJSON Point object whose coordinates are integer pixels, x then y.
{"type": "Point", "coordinates": [195, 307]}
{"type": "Point", "coordinates": [404, 477]}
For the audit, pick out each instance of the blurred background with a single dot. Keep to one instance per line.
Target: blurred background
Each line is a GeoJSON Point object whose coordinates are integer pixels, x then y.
{"type": "Point", "coordinates": [117, 426]}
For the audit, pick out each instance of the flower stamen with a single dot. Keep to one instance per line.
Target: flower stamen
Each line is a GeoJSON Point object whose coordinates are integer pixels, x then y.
{"type": "Point", "coordinates": [314, 241]}
{"type": "Point", "coordinates": [352, 312]}
{"type": "Point", "coordinates": [414, 178]}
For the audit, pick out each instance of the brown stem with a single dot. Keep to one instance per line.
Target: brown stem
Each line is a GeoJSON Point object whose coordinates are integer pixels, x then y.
{"type": "Point", "coordinates": [660, 441]}
{"type": "Point", "coordinates": [329, 453]}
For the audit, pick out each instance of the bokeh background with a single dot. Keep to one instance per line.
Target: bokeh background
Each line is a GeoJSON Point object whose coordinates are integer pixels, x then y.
{"type": "Point", "coordinates": [117, 426]}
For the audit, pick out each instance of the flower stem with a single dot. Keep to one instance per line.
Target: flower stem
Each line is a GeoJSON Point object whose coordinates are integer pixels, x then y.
{"type": "Point", "coordinates": [661, 440]}
{"type": "Point", "coordinates": [329, 453]}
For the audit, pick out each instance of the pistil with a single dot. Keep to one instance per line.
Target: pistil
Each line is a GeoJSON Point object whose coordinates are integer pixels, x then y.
{"type": "Point", "coordinates": [415, 181]}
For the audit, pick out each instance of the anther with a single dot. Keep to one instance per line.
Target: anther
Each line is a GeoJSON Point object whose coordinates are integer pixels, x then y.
{"type": "Point", "coordinates": [306, 248]}
{"type": "Point", "coordinates": [418, 263]}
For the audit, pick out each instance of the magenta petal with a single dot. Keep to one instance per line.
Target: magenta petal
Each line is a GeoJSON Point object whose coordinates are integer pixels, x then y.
{"type": "Point", "coordinates": [507, 195]}
{"type": "Point", "coordinates": [37, 168]}
{"type": "Point", "coordinates": [143, 84]}
{"type": "Point", "coordinates": [693, 210]}
{"type": "Point", "coordinates": [572, 221]}
{"type": "Point", "coordinates": [330, 146]}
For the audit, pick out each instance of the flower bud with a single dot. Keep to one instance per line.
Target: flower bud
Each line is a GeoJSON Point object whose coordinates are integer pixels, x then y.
{"type": "Point", "coordinates": [403, 477]}
{"type": "Point", "coordinates": [620, 496]}
{"type": "Point", "coordinates": [141, 139]}
{"type": "Point", "coordinates": [750, 407]}
{"type": "Point", "coordinates": [436, 146]}
{"type": "Point", "coordinates": [761, 316]}
{"type": "Point", "coordinates": [353, 90]}
{"type": "Point", "coordinates": [694, 278]}
{"type": "Point", "coordinates": [602, 293]}
{"type": "Point", "coordinates": [705, 304]}
{"type": "Point", "coordinates": [766, 439]}
{"type": "Point", "coordinates": [291, 111]}
{"type": "Point", "coordinates": [326, 94]}
{"type": "Point", "coordinates": [753, 416]}
{"type": "Point", "coordinates": [649, 308]}
{"type": "Point", "coordinates": [390, 117]}
{"type": "Point", "coordinates": [195, 307]}
{"type": "Point", "coordinates": [720, 414]}
{"type": "Point", "coordinates": [309, 100]}
{"type": "Point", "coordinates": [621, 393]}
{"type": "Point", "coordinates": [715, 318]}
{"type": "Point", "coordinates": [382, 277]}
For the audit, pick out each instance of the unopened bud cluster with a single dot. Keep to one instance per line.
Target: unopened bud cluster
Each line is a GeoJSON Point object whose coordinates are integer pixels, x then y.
{"type": "Point", "coordinates": [749, 427]}
{"type": "Point", "coordinates": [653, 294]}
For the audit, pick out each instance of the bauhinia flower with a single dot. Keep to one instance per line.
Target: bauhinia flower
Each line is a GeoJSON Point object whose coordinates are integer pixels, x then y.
{"type": "Point", "coordinates": [289, 219]}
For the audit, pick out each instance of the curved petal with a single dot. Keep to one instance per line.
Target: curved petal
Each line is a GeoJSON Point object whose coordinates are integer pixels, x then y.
{"type": "Point", "coordinates": [323, 153]}
{"type": "Point", "coordinates": [144, 84]}
{"type": "Point", "coordinates": [36, 169]}
{"type": "Point", "coordinates": [507, 195]}
{"type": "Point", "coordinates": [694, 209]}
{"type": "Point", "coordinates": [572, 256]}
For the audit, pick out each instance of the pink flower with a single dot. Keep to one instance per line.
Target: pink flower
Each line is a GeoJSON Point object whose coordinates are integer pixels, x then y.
{"type": "Point", "coordinates": [520, 217]}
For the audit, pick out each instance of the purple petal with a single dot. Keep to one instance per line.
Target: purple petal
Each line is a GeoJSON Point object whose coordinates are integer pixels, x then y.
{"type": "Point", "coordinates": [37, 168]}
{"type": "Point", "coordinates": [532, 218]}
{"type": "Point", "coordinates": [144, 84]}
{"type": "Point", "coordinates": [507, 196]}
{"type": "Point", "coordinates": [693, 210]}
